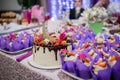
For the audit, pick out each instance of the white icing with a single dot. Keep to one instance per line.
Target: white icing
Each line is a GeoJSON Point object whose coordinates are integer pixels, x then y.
{"type": "Point", "coordinates": [69, 34]}
{"type": "Point", "coordinates": [97, 68]}
{"type": "Point", "coordinates": [87, 64]}
{"type": "Point", "coordinates": [92, 54]}
{"type": "Point", "coordinates": [23, 40]}
{"type": "Point", "coordinates": [111, 63]}
{"type": "Point", "coordinates": [46, 41]}
{"type": "Point", "coordinates": [77, 42]}
{"type": "Point", "coordinates": [100, 40]}
{"type": "Point", "coordinates": [10, 44]}
{"type": "Point", "coordinates": [47, 58]}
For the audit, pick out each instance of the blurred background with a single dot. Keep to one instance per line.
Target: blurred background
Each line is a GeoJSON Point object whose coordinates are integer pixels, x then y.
{"type": "Point", "coordinates": [53, 7]}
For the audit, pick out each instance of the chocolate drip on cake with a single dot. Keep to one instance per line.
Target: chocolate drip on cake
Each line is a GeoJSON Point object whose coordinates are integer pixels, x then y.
{"type": "Point", "coordinates": [35, 48]}
{"type": "Point", "coordinates": [55, 52]}
{"type": "Point", "coordinates": [43, 49]}
{"type": "Point", "coordinates": [50, 44]}
{"type": "Point", "coordinates": [50, 48]}
{"type": "Point", "coordinates": [38, 48]}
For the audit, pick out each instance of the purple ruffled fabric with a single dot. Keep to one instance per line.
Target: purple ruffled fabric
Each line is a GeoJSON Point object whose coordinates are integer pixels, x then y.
{"type": "Point", "coordinates": [9, 44]}
{"type": "Point", "coordinates": [16, 45]}
{"type": "Point", "coordinates": [31, 40]}
{"type": "Point", "coordinates": [102, 74]}
{"type": "Point", "coordinates": [116, 71]}
{"type": "Point", "coordinates": [74, 46]}
{"type": "Point", "coordinates": [2, 43]}
{"type": "Point", "coordinates": [62, 62]}
{"type": "Point", "coordinates": [25, 43]}
{"type": "Point", "coordinates": [82, 70]}
{"type": "Point", "coordinates": [116, 68]}
{"type": "Point", "coordinates": [70, 66]}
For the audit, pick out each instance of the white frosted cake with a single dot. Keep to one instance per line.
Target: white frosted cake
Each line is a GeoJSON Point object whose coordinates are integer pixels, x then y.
{"type": "Point", "coordinates": [46, 59]}
{"type": "Point", "coordinates": [43, 56]}
{"type": "Point", "coordinates": [48, 55]}
{"type": "Point", "coordinates": [46, 48]}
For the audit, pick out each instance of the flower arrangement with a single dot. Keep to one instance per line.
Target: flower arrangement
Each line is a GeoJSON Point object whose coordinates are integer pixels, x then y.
{"type": "Point", "coordinates": [49, 39]}
{"type": "Point", "coordinates": [65, 52]}
{"type": "Point", "coordinates": [43, 41]}
{"type": "Point", "coordinates": [94, 13]}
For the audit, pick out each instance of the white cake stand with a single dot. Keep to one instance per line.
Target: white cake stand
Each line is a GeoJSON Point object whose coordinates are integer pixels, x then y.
{"type": "Point", "coordinates": [33, 64]}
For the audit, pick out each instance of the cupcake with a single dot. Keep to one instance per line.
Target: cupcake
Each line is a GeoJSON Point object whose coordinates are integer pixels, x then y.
{"type": "Point", "coordinates": [17, 45]}
{"type": "Point", "coordinates": [9, 45]}
{"type": "Point", "coordinates": [114, 62]}
{"type": "Point", "coordinates": [92, 53]}
{"type": "Point", "coordinates": [68, 60]}
{"type": "Point", "coordinates": [75, 45]}
{"type": "Point", "coordinates": [83, 66]}
{"type": "Point", "coordinates": [25, 42]}
{"type": "Point", "coordinates": [2, 43]}
{"type": "Point", "coordinates": [100, 69]}
{"type": "Point", "coordinates": [31, 39]}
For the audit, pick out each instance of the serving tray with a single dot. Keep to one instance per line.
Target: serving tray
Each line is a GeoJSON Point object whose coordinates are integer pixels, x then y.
{"type": "Point", "coordinates": [18, 32]}
{"type": "Point", "coordinates": [16, 52]}
{"type": "Point", "coordinates": [35, 65]}
{"type": "Point", "coordinates": [73, 76]}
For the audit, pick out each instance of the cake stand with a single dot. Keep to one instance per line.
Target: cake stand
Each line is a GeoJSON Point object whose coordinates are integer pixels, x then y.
{"type": "Point", "coordinates": [34, 64]}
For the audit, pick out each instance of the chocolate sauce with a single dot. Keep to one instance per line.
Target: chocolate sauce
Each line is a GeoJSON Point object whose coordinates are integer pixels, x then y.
{"type": "Point", "coordinates": [55, 52]}
{"type": "Point", "coordinates": [38, 48]}
{"type": "Point", "coordinates": [50, 48]}
{"type": "Point", "coordinates": [35, 48]}
{"type": "Point", "coordinates": [43, 49]}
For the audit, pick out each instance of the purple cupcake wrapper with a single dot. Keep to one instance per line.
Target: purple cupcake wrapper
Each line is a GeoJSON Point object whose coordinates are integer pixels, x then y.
{"type": "Point", "coordinates": [70, 66]}
{"type": "Point", "coordinates": [82, 70]}
{"type": "Point", "coordinates": [115, 74]}
{"type": "Point", "coordinates": [102, 74]}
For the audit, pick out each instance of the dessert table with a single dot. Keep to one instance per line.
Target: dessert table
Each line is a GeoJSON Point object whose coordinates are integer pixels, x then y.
{"type": "Point", "coordinates": [10, 69]}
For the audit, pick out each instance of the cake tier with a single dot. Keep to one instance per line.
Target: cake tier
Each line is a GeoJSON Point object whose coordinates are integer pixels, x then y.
{"type": "Point", "coordinates": [47, 56]}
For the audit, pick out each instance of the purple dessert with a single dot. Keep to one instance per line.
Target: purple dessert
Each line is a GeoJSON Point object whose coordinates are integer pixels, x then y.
{"type": "Point", "coordinates": [68, 60]}
{"type": "Point", "coordinates": [15, 42]}
{"type": "Point", "coordinates": [16, 45]}
{"type": "Point", "coordinates": [100, 69]}
{"type": "Point", "coordinates": [83, 67]}
{"type": "Point", "coordinates": [2, 43]}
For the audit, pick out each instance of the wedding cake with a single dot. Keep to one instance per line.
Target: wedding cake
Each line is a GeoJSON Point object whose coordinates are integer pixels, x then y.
{"type": "Point", "coordinates": [47, 45]}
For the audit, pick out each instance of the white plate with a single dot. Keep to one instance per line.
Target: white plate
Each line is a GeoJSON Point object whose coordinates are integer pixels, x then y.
{"type": "Point", "coordinates": [70, 74]}
{"type": "Point", "coordinates": [33, 64]}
